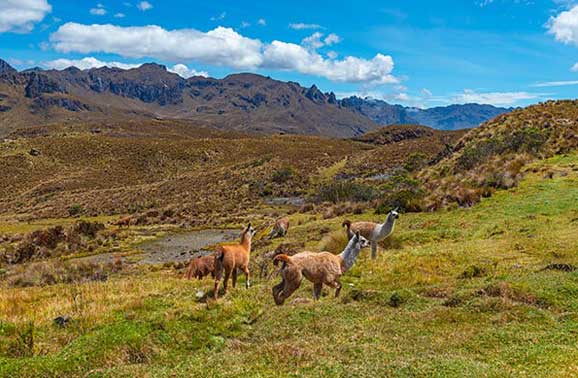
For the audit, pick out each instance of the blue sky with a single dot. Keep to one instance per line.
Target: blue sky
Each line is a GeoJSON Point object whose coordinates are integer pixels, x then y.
{"type": "Point", "coordinates": [419, 53]}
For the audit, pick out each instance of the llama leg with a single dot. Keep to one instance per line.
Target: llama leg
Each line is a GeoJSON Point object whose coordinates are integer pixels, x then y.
{"type": "Point", "coordinates": [291, 281]}
{"type": "Point", "coordinates": [234, 277]}
{"type": "Point", "coordinates": [338, 288]}
{"type": "Point", "coordinates": [317, 290]}
{"type": "Point", "coordinates": [226, 280]}
{"type": "Point", "coordinates": [218, 276]}
{"type": "Point", "coordinates": [373, 249]}
{"type": "Point", "coordinates": [247, 281]}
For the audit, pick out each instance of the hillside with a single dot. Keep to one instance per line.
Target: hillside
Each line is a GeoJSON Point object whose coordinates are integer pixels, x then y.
{"type": "Point", "coordinates": [241, 102]}
{"type": "Point", "coordinates": [481, 292]}
{"type": "Point", "coordinates": [452, 117]}
{"type": "Point", "coordinates": [494, 156]}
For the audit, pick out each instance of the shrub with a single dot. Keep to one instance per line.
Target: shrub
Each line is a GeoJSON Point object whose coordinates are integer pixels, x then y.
{"type": "Point", "coordinates": [334, 242]}
{"type": "Point", "coordinates": [282, 175]}
{"type": "Point", "coordinates": [346, 191]}
{"type": "Point", "coordinates": [75, 210]}
{"type": "Point", "coordinates": [415, 161]}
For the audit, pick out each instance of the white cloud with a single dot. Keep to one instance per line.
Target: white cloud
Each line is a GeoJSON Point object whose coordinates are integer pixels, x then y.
{"type": "Point", "coordinates": [292, 57]}
{"type": "Point", "coordinates": [85, 64]}
{"type": "Point", "coordinates": [220, 46]}
{"type": "Point", "coordinates": [245, 24]}
{"type": "Point", "coordinates": [564, 26]}
{"type": "Point", "coordinates": [119, 15]}
{"type": "Point", "coordinates": [574, 68]}
{"type": "Point", "coordinates": [262, 22]}
{"type": "Point", "coordinates": [426, 93]}
{"type": "Point", "coordinates": [555, 84]}
{"type": "Point", "coordinates": [301, 26]}
{"type": "Point", "coordinates": [187, 72]}
{"type": "Point", "coordinates": [21, 15]}
{"type": "Point", "coordinates": [316, 40]}
{"type": "Point", "coordinates": [493, 98]}
{"type": "Point", "coordinates": [98, 11]}
{"type": "Point", "coordinates": [144, 6]}
{"type": "Point", "coordinates": [219, 17]}
{"type": "Point", "coordinates": [332, 54]}
{"type": "Point", "coordinates": [332, 39]}
{"type": "Point", "coordinates": [313, 41]}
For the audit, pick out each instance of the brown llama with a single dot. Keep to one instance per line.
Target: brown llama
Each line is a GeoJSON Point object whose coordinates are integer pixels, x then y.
{"type": "Point", "coordinates": [320, 268]}
{"type": "Point", "coordinates": [232, 257]}
{"type": "Point", "coordinates": [280, 228]}
{"type": "Point", "coordinates": [200, 267]}
{"type": "Point", "coordinates": [374, 232]}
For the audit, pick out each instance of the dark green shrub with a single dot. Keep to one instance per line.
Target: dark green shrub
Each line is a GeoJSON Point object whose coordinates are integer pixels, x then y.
{"type": "Point", "coordinates": [282, 175]}
{"type": "Point", "coordinates": [415, 161]}
{"type": "Point", "coordinates": [346, 191]}
{"type": "Point", "coordinates": [75, 210]}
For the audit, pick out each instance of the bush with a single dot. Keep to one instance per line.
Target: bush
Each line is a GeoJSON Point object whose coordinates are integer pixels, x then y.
{"type": "Point", "coordinates": [415, 161]}
{"type": "Point", "coordinates": [346, 191]}
{"type": "Point", "coordinates": [282, 175]}
{"type": "Point", "coordinates": [75, 210]}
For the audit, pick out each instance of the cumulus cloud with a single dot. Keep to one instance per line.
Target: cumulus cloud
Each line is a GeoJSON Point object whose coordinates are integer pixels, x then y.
{"type": "Point", "coordinates": [187, 72]}
{"type": "Point", "coordinates": [292, 57]}
{"type": "Point", "coordinates": [21, 15]}
{"type": "Point", "coordinates": [98, 11]}
{"type": "Point", "coordinates": [493, 98]}
{"type": "Point", "coordinates": [261, 22]}
{"type": "Point", "coordinates": [564, 26]}
{"type": "Point", "coordinates": [332, 39]}
{"type": "Point", "coordinates": [301, 26]}
{"type": "Point", "coordinates": [119, 15]}
{"type": "Point", "coordinates": [144, 6]}
{"type": "Point", "coordinates": [85, 64]}
{"type": "Point", "coordinates": [316, 40]}
{"type": "Point", "coordinates": [220, 46]}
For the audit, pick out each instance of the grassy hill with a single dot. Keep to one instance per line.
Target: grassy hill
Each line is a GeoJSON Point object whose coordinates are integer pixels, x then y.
{"type": "Point", "coordinates": [456, 293]}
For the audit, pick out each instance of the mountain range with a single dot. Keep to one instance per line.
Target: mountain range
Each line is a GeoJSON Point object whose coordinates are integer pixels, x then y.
{"type": "Point", "coordinates": [243, 102]}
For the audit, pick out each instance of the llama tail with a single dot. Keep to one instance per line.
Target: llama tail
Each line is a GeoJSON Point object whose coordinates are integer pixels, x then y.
{"type": "Point", "coordinates": [219, 255]}
{"type": "Point", "coordinates": [189, 271]}
{"type": "Point", "coordinates": [346, 223]}
{"type": "Point", "coordinates": [282, 257]}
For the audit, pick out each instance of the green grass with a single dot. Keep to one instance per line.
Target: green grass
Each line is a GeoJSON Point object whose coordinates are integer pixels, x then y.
{"type": "Point", "coordinates": [412, 313]}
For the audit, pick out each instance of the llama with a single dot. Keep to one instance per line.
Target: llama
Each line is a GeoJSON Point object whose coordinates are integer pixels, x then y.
{"type": "Point", "coordinates": [374, 232]}
{"type": "Point", "coordinates": [201, 267]}
{"type": "Point", "coordinates": [319, 268]}
{"type": "Point", "coordinates": [280, 228]}
{"type": "Point", "coordinates": [230, 258]}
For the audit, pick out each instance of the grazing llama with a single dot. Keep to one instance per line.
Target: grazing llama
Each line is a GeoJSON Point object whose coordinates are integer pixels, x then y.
{"type": "Point", "coordinates": [200, 267]}
{"type": "Point", "coordinates": [280, 228]}
{"type": "Point", "coordinates": [230, 258]}
{"type": "Point", "coordinates": [374, 232]}
{"type": "Point", "coordinates": [319, 268]}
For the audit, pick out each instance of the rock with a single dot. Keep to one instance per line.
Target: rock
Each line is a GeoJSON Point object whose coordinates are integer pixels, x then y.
{"type": "Point", "coordinates": [34, 152]}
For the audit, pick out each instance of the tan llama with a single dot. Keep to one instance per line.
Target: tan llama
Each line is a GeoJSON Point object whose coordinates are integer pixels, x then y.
{"type": "Point", "coordinates": [374, 232]}
{"type": "Point", "coordinates": [280, 228]}
{"type": "Point", "coordinates": [320, 268]}
{"type": "Point", "coordinates": [230, 258]}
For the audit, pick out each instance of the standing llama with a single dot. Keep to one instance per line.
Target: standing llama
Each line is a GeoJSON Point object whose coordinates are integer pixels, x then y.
{"type": "Point", "coordinates": [319, 268]}
{"type": "Point", "coordinates": [280, 228]}
{"type": "Point", "coordinates": [374, 232]}
{"type": "Point", "coordinates": [230, 258]}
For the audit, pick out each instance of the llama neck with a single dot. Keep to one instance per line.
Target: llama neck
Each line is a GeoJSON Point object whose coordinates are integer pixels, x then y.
{"type": "Point", "coordinates": [349, 255]}
{"type": "Point", "coordinates": [387, 227]}
{"type": "Point", "coordinates": [246, 242]}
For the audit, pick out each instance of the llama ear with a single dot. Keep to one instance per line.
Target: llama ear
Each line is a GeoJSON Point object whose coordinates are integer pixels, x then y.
{"type": "Point", "coordinates": [357, 235]}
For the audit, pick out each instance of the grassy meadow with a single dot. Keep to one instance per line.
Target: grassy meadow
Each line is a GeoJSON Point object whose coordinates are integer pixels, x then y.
{"type": "Point", "coordinates": [456, 293]}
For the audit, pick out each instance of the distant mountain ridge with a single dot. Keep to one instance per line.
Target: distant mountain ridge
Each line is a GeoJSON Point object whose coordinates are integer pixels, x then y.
{"type": "Point", "coordinates": [452, 117]}
{"type": "Point", "coordinates": [242, 102]}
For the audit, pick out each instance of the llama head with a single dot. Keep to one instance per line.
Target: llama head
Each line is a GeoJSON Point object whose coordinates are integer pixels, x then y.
{"type": "Point", "coordinates": [359, 241]}
{"type": "Point", "coordinates": [250, 231]}
{"type": "Point", "coordinates": [394, 214]}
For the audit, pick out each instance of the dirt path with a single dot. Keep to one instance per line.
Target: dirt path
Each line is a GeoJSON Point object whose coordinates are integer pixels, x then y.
{"type": "Point", "coordinates": [179, 247]}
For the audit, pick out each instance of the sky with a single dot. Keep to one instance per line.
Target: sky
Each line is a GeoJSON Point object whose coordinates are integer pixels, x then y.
{"type": "Point", "coordinates": [420, 53]}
